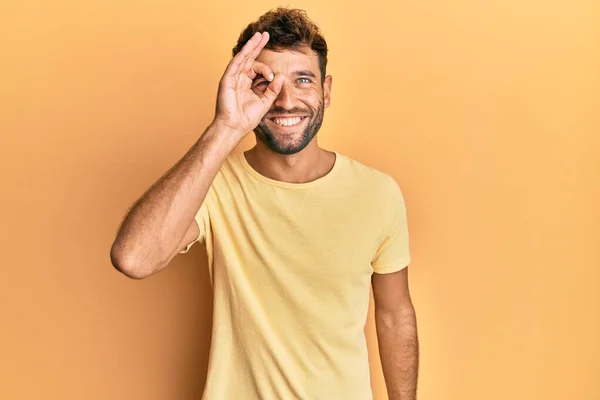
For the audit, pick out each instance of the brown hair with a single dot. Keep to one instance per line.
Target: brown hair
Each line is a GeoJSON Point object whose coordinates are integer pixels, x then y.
{"type": "Point", "coordinates": [289, 29]}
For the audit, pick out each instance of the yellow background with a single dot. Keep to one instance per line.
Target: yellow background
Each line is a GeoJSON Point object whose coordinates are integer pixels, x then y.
{"type": "Point", "coordinates": [487, 114]}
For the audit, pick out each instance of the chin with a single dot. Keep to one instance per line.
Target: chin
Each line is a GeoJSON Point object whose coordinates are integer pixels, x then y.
{"type": "Point", "coordinates": [286, 147]}
{"type": "Point", "coordinates": [285, 144]}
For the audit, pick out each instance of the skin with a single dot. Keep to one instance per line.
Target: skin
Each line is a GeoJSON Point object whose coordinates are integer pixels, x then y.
{"type": "Point", "coordinates": [396, 324]}
{"type": "Point", "coordinates": [161, 222]}
{"type": "Point", "coordinates": [302, 94]}
{"type": "Point", "coordinates": [284, 155]}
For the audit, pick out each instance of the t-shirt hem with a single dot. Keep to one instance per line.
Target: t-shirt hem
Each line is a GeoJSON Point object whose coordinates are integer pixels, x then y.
{"type": "Point", "coordinates": [389, 268]}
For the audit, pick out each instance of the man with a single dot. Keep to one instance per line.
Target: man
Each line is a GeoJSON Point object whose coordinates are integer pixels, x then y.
{"type": "Point", "coordinates": [296, 235]}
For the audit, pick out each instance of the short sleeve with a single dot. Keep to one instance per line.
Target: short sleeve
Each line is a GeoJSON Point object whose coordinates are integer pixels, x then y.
{"type": "Point", "coordinates": [393, 253]}
{"type": "Point", "coordinates": [201, 218]}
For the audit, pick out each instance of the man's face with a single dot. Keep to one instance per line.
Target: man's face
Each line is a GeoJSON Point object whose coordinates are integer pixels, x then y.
{"type": "Point", "coordinates": [297, 114]}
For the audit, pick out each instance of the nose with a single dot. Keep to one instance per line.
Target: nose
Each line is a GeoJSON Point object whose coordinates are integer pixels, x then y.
{"type": "Point", "coordinates": [286, 98]}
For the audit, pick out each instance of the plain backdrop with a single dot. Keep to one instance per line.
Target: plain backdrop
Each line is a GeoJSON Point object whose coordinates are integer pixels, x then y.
{"type": "Point", "coordinates": [485, 112]}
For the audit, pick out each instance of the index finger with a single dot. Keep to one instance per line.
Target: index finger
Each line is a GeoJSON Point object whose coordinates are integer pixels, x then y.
{"type": "Point", "coordinates": [256, 41]}
{"type": "Point", "coordinates": [256, 51]}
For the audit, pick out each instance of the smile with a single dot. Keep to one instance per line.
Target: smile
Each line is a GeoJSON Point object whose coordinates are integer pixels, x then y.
{"type": "Point", "coordinates": [287, 121]}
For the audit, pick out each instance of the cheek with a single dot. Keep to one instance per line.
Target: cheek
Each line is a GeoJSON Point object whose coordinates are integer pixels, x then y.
{"type": "Point", "coordinates": [313, 98]}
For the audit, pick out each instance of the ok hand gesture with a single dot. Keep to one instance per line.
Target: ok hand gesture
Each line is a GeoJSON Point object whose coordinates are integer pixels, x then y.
{"type": "Point", "coordinates": [238, 106]}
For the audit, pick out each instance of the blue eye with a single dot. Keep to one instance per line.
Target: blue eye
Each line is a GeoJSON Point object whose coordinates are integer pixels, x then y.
{"type": "Point", "coordinates": [260, 85]}
{"type": "Point", "coordinates": [305, 79]}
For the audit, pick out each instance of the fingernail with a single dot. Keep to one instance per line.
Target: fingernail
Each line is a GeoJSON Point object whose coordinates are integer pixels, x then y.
{"type": "Point", "coordinates": [271, 76]}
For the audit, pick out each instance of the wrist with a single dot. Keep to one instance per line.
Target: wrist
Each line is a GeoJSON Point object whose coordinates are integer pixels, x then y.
{"type": "Point", "coordinates": [221, 126]}
{"type": "Point", "coordinates": [221, 137]}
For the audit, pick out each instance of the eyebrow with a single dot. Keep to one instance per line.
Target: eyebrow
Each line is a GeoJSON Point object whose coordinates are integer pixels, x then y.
{"type": "Point", "coordinates": [305, 73]}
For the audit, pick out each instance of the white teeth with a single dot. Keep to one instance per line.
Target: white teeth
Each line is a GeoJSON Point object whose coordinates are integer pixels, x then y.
{"type": "Point", "coordinates": [287, 121]}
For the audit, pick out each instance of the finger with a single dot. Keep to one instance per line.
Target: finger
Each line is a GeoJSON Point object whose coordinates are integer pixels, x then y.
{"type": "Point", "coordinates": [263, 69]}
{"type": "Point", "coordinates": [240, 58]}
{"type": "Point", "coordinates": [255, 52]}
{"type": "Point", "coordinates": [273, 89]}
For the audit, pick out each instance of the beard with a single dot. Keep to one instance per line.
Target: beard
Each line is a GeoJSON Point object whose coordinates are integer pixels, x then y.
{"type": "Point", "coordinates": [294, 142]}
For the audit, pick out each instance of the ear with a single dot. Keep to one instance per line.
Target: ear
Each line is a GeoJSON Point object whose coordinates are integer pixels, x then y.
{"type": "Point", "coordinates": [327, 90]}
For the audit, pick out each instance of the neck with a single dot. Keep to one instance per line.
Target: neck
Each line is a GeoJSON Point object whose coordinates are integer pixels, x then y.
{"type": "Point", "coordinates": [305, 166]}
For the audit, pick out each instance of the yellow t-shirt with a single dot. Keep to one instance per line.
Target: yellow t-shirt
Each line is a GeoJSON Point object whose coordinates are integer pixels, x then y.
{"type": "Point", "coordinates": [290, 266]}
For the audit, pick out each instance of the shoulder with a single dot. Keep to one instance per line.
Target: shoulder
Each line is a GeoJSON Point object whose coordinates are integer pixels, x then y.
{"type": "Point", "coordinates": [225, 181]}
{"type": "Point", "coordinates": [231, 169]}
{"type": "Point", "coordinates": [367, 177]}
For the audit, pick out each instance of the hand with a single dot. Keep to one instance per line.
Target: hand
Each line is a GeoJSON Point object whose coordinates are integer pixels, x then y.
{"type": "Point", "coordinates": [238, 106]}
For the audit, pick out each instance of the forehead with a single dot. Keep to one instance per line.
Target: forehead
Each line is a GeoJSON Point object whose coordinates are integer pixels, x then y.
{"type": "Point", "coordinates": [289, 61]}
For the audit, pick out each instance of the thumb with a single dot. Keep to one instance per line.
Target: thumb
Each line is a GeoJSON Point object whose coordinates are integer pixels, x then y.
{"type": "Point", "coordinates": [273, 89]}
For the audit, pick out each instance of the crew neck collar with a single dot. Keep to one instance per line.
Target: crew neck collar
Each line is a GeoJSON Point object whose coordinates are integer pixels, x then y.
{"type": "Point", "coordinates": [305, 185]}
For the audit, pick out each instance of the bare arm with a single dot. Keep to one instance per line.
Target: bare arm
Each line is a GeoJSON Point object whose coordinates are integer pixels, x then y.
{"type": "Point", "coordinates": [396, 325]}
{"type": "Point", "coordinates": [150, 234]}
{"type": "Point", "coordinates": [153, 230]}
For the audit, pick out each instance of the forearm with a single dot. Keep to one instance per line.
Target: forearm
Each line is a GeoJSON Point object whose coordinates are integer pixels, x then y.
{"type": "Point", "coordinates": [399, 351]}
{"type": "Point", "coordinates": [158, 221]}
